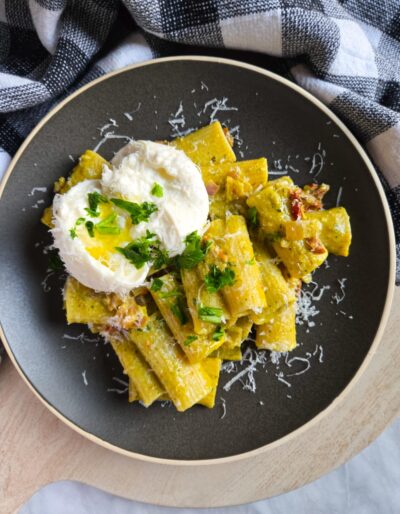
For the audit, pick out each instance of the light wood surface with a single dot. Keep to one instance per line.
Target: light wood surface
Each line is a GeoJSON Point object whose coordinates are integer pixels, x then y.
{"type": "Point", "coordinates": [37, 448]}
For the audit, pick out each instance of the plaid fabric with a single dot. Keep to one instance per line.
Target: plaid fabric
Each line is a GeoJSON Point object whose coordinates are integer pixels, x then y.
{"type": "Point", "coordinates": [345, 52]}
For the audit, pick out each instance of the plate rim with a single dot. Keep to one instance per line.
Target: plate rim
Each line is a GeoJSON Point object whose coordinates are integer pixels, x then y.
{"type": "Point", "coordinates": [390, 285]}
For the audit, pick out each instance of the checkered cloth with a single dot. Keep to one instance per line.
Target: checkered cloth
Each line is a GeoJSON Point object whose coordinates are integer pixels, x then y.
{"type": "Point", "coordinates": [347, 53]}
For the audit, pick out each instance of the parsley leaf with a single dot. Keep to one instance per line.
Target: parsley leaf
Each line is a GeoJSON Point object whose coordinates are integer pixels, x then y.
{"type": "Point", "coordinates": [90, 228]}
{"type": "Point", "coordinates": [156, 285]}
{"type": "Point", "coordinates": [218, 334]}
{"type": "Point", "coordinates": [194, 252]}
{"type": "Point", "coordinates": [108, 225]}
{"type": "Point", "coordinates": [160, 257]}
{"type": "Point", "coordinates": [210, 314]}
{"type": "Point", "coordinates": [216, 279]}
{"type": "Point", "coordinates": [138, 252]}
{"type": "Point", "coordinates": [138, 211]}
{"type": "Point", "coordinates": [94, 199]}
{"type": "Point", "coordinates": [178, 310]}
{"type": "Point", "coordinates": [252, 216]}
{"type": "Point", "coordinates": [145, 249]}
{"type": "Point", "coordinates": [72, 231]}
{"type": "Point", "coordinates": [189, 340]}
{"type": "Point", "coordinates": [157, 190]}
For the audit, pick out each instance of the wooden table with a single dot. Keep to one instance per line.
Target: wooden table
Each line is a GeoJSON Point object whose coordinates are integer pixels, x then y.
{"type": "Point", "coordinates": [37, 448]}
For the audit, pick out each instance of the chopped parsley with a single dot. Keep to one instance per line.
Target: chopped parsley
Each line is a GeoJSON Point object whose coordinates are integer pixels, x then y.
{"type": "Point", "coordinates": [90, 228]}
{"type": "Point", "coordinates": [252, 216]}
{"type": "Point", "coordinates": [156, 285]}
{"type": "Point", "coordinates": [157, 190]}
{"type": "Point", "coordinates": [178, 310]}
{"type": "Point", "coordinates": [138, 252]}
{"type": "Point", "coordinates": [94, 199]}
{"type": "Point", "coordinates": [210, 314]}
{"type": "Point", "coordinates": [160, 257]}
{"type": "Point", "coordinates": [216, 279]}
{"type": "Point", "coordinates": [218, 334]}
{"type": "Point", "coordinates": [138, 211]}
{"type": "Point", "coordinates": [193, 253]}
{"type": "Point", "coordinates": [108, 225]}
{"type": "Point", "coordinates": [189, 340]}
{"type": "Point", "coordinates": [72, 231]}
{"type": "Point", "coordinates": [145, 249]}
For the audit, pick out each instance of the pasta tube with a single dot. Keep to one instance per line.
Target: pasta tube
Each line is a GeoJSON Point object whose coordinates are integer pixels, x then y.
{"type": "Point", "coordinates": [207, 145]}
{"type": "Point", "coordinates": [231, 244]}
{"type": "Point", "coordinates": [278, 294]}
{"type": "Point", "coordinates": [170, 300]}
{"type": "Point", "coordinates": [212, 367]}
{"type": "Point", "coordinates": [279, 333]}
{"type": "Point", "coordinates": [185, 383]}
{"type": "Point", "coordinates": [144, 381]}
{"type": "Point", "coordinates": [336, 231]}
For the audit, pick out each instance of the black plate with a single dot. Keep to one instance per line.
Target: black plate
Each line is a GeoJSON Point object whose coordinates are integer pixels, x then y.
{"type": "Point", "coordinates": [276, 121]}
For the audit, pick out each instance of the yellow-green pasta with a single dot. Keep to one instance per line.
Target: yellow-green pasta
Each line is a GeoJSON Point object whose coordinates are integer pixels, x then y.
{"type": "Point", "coordinates": [278, 294]}
{"type": "Point", "coordinates": [272, 206]}
{"type": "Point", "coordinates": [231, 248]}
{"type": "Point", "coordinates": [185, 383]}
{"type": "Point", "coordinates": [170, 299]}
{"type": "Point", "coordinates": [83, 305]}
{"type": "Point", "coordinates": [207, 145]}
{"type": "Point", "coordinates": [336, 230]}
{"type": "Point", "coordinates": [279, 333]}
{"type": "Point", "coordinates": [228, 354]}
{"type": "Point", "coordinates": [197, 295]}
{"type": "Point", "coordinates": [132, 392]}
{"type": "Point", "coordinates": [212, 366]}
{"type": "Point", "coordinates": [145, 382]}
{"type": "Point", "coordinates": [301, 257]}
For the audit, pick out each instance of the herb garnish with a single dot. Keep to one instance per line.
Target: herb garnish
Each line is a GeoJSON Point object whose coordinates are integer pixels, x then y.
{"type": "Point", "coordinates": [210, 314]}
{"type": "Point", "coordinates": [160, 256]}
{"type": "Point", "coordinates": [178, 310]}
{"type": "Point", "coordinates": [156, 285]}
{"type": "Point", "coordinates": [138, 252]}
{"type": "Point", "coordinates": [138, 211]}
{"type": "Point", "coordinates": [189, 340]}
{"type": "Point", "coordinates": [94, 199]}
{"type": "Point", "coordinates": [157, 190]}
{"type": "Point", "coordinates": [218, 334]}
{"type": "Point", "coordinates": [108, 225]}
{"type": "Point", "coordinates": [252, 216]}
{"type": "Point", "coordinates": [216, 279]}
{"type": "Point", "coordinates": [90, 228]}
{"type": "Point", "coordinates": [72, 231]}
{"type": "Point", "coordinates": [145, 249]}
{"type": "Point", "coordinates": [194, 252]}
